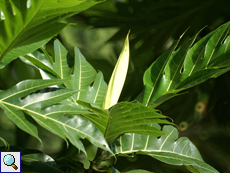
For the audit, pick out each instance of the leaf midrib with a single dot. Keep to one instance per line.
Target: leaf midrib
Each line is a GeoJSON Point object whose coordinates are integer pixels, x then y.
{"type": "Point", "coordinates": [47, 98]}
{"type": "Point", "coordinates": [24, 90]}
{"type": "Point", "coordinates": [161, 72]}
{"type": "Point", "coordinates": [57, 122]}
{"type": "Point", "coordinates": [213, 50]}
{"type": "Point", "coordinates": [20, 33]}
{"type": "Point", "coordinates": [159, 151]}
{"type": "Point", "coordinates": [18, 118]}
{"type": "Point", "coordinates": [183, 160]}
{"type": "Point", "coordinates": [133, 130]}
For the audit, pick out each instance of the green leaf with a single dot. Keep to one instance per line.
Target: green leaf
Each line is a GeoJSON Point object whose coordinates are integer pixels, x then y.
{"type": "Point", "coordinates": [83, 76]}
{"type": "Point", "coordinates": [132, 171]}
{"type": "Point", "coordinates": [95, 93]}
{"type": "Point", "coordinates": [40, 100]}
{"type": "Point", "coordinates": [189, 65]}
{"type": "Point", "coordinates": [43, 109]}
{"type": "Point", "coordinates": [7, 146]}
{"type": "Point", "coordinates": [26, 87]}
{"type": "Point", "coordinates": [39, 163]}
{"type": "Point", "coordinates": [222, 61]}
{"type": "Point", "coordinates": [91, 88]}
{"type": "Point", "coordinates": [39, 60]}
{"type": "Point", "coordinates": [154, 74]}
{"type": "Point", "coordinates": [58, 67]}
{"type": "Point", "coordinates": [125, 117]}
{"type": "Point", "coordinates": [134, 118]}
{"type": "Point", "coordinates": [61, 60]}
{"type": "Point", "coordinates": [139, 171]}
{"type": "Point", "coordinates": [36, 157]}
{"type": "Point", "coordinates": [167, 149]}
{"type": "Point", "coordinates": [22, 50]}
{"type": "Point", "coordinates": [214, 47]}
{"type": "Point", "coordinates": [201, 76]}
{"type": "Point", "coordinates": [73, 127]}
{"type": "Point", "coordinates": [11, 99]}
{"type": "Point", "coordinates": [99, 116]}
{"type": "Point", "coordinates": [118, 77]}
{"type": "Point", "coordinates": [27, 25]}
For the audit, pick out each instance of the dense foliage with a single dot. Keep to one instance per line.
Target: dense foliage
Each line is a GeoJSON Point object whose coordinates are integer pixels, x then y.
{"type": "Point", "coordinates": [71, 100]}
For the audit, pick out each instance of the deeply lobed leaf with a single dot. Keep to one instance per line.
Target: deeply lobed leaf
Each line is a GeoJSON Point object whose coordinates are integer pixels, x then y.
{"type": "Point", "coordinates": [167, 148]}
{"type": "Point", "coordinates": [81, 75]}
{"type": "Point", "coordinates": [27, 25]}
{"type": "Point", "coordinates": [133, 117]}
{"type": "Point", "coordinates": [43, 109]}
{"type": "Point", "coordinates": [11, 101]}
{"type": "Point", "coordinates": [190, 65]}
{"type": "Point", "coordinates": [122, 118]}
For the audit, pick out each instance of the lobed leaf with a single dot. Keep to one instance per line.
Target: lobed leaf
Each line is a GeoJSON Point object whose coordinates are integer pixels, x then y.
{"type": "Point", "coordinates": [125, 117]}
{"type": "Point", "coordinates": [154, 74]}
{"type": "Point", "coordinates": [168, 149]}
{"type": "Point", "coordinates": [71, 127]}
{"type": "Point", "coordinates": [26, 25]}
{"type": "Point", "coordinates": [189, 65]}
{"type": "Point", "coordinates": [98, 116]}
{"type": "Point", "coordinates": [134, 118]}
{"type": "Point", "coordinates": [92, 87]}
{"type": "Point", "coordinates": [11, 99]}
{"type": "Point", "coordinates": [41, 107]}
{"type": "Point", "coordinates": [82, 75]}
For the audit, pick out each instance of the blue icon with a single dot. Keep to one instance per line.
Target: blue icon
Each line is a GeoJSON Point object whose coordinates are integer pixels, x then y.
{"type": "Point", "coordinates": [9, 160]}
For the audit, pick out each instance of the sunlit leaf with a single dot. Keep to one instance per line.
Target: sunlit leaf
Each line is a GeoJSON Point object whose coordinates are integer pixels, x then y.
{"type": "Point", "coordinates": [189, 65]}
{"type": "Point", "coordinates": [24, 28]}
{"type": "Point", "coordinates": [125, 117]}
{"type": "Point", "coordinates": [154, 74]}
{"type": "Point", "coordinates": [11, 99]}
{"type": "Point", "coordinates": [73, 127]}
{"type": "Point", "coordinates": [118, 77]}
{"type": "Point", "coordinates": [134, 118]}
{"type": "Point", "coordinates": [80, 73]}
{"type": "Point", "coordinates": [99, 116]}
{"type": "Point", "coordinates": [43, 107]}
{"type": "Point", "coordinates": [91, 85]}
{"type": "Point", "coordinates": [168, 149]}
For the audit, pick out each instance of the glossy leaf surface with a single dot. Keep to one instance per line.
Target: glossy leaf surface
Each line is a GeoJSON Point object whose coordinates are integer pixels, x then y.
{"type": "Point", "coordinates": [39, 162]}
{"type": "Point", "coordinates": [82, 75]}
{"type": "Point", "coordinates": [168, 149]}
{"type": "Point", "coordinates": [189, 65]}
{"type": "Point", "coordinates": [91, 94]}
{"type": "Point", "coordinates": [42, 108]}
{"type": "Point", "coordinates": [133, 117]}
{"type": "Point", "coordinates": [11, 101]}
{"type": "Point", "coordinates": [26, 25]}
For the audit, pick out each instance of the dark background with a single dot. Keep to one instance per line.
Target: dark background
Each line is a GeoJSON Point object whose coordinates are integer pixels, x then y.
{"type": "Point", "coordinates": [202, 114]}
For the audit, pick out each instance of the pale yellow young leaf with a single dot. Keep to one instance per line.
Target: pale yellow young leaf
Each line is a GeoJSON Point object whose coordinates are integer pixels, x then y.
{"type": "Point", "coordinates": [118, 77]}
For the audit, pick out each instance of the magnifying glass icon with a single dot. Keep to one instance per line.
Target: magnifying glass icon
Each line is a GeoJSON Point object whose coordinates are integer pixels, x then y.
{"type": "Point", "coordinates": [9, 160]}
